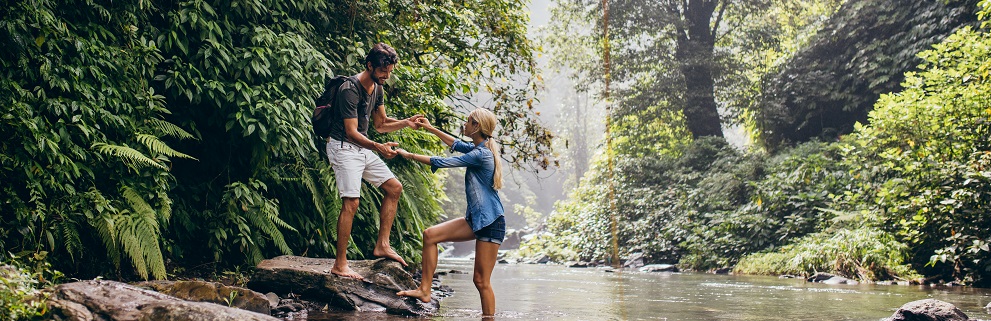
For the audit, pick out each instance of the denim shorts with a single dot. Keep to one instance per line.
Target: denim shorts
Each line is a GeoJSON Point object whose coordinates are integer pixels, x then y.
{"type": "Point", "coordinates": [494, 233]}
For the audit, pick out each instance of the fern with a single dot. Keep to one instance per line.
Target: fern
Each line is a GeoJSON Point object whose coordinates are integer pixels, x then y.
{"type": "Point", "coordinates": [246, 203]}
{"type": "Point", "coordinates": [169, 129]}
{"type": "Point", "coordinates": [140, 235]}
{"type": "Point", "coordinates": [105, 224]}
{"type": "Point", "coordinates": [70, 233]}
{"type": "Point", "coordinates": [165, 213]}
{"type": "Point", "coordinates": [155, 145]}
{"type": "Point", "coordinates": [315, 193]}
{"type": "Point", "coordinates": [129, 156]}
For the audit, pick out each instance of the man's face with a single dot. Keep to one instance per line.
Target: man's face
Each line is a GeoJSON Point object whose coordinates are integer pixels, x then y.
{"type": "Point", "coordinates": [381, 74]}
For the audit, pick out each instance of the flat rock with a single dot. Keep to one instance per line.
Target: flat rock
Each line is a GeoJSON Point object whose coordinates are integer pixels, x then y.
{"type": "Point", "coordinates": [311, 280]}
{"type": "Point", "coordinates": [109, 300]}
{"type": "Point", "coordinates": [213, 292]}
{"type": "Point", "coordinates": [820, 276]}
{"type": "Point", "coordinates": [658, 268]}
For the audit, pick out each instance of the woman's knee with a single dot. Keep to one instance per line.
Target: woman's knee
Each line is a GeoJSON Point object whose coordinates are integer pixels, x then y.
{"type": "Point", "coordinates": [430, 236]}
{"type": "Point", "coordinates": [481, 282]}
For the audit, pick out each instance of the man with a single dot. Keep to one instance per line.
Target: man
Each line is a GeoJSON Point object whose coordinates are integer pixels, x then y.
{"type": "Point", "coordinates": [351, 152]}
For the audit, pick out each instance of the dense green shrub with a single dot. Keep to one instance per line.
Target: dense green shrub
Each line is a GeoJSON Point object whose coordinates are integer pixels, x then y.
{"type": "Point", "coordinates": [777, 200]}
{"type": "Point", "coordinates": [22, 280]}
{"type": "Point", "coordinates": [20, 297]}
{"type": "Point", "coordinates": [864, 253]}
{"type": "Point", "coordinates": [925, 158]}
{"type": "Point", "coordinates": [703, 209]}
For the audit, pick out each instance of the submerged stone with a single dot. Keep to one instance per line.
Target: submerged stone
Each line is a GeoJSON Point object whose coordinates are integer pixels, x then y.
{"type": "Point", "coordinates": [658, 268]}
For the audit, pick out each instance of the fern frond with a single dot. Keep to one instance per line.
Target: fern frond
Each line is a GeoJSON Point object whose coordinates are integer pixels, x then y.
{"type": "Point", "coordinates": [128, 155]}
{"type": "Point", "coordinates": [107, 227]}
{"type": "Point", "coordinates": [266, 219]}
{"type": "Point", "coordinates": [142, 236]}
{"type": "Point", "coordinates": [316, 196]}
{"type": "Point", "coordinates": [170, 129]}
{"type": "Point", "coordinates": [165, 213]}
{"type": "Point", "coordinates": [142, 208]}
{"type": "Point", "coordinates": [132, 245]}
{"type": "Point", "coordinates": [158, 146]}
{"type": "Point", "coordinates": [70, 234]}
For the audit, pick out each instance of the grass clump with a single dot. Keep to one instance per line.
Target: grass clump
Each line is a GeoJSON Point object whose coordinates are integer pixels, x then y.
{"type": "Point", "coordinates": [866, 254]}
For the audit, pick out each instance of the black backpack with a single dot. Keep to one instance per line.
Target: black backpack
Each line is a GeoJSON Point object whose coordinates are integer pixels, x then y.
{"type": "Point", "coordinates": [323, 115]}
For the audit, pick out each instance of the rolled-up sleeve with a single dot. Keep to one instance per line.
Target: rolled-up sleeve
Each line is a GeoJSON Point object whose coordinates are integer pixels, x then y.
{"type": "Point", "coordinates": [462, 147]}
{"type": "Point", "coordinates": [467, 160]}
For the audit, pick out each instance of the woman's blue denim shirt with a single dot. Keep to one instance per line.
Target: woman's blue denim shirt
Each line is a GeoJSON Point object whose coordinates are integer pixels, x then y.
{"type": "Point", "coordinates": [484, 206]}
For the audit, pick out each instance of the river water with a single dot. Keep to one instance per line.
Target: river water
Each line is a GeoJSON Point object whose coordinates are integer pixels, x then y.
{"type": "Point", "coordinates": [553, 292]}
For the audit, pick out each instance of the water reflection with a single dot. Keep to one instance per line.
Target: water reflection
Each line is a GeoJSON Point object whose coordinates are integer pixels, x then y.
{"type": "Point", "coordinates": [540, 292]}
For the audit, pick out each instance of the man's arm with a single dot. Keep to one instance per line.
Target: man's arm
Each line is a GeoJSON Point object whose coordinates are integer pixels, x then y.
{"type": "Point", "coordinates": [444, 137]}
{"type": "Point", "coordinates": [384, 124]}
{"type": "Point", "coordinates": [351, 129]}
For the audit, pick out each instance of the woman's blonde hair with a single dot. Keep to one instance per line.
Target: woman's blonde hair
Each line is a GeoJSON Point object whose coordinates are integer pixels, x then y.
{"type": "Point", "coordinates": [487, 122]}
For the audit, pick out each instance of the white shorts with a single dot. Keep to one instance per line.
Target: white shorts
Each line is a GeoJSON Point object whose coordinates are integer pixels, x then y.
{"type": "Point", "coordinates": [352, 163]}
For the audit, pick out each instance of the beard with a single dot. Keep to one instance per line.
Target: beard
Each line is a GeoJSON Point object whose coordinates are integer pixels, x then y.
{"type": "Point", "coordinates": [376, 79]}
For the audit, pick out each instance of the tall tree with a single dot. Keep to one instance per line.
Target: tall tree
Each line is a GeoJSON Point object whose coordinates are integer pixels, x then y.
{"type": "Point", "coordinates": [695, 25]}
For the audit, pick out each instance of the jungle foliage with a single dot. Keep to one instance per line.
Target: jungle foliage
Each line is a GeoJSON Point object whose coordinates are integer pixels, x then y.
{"type": "Point", "coordinates": [862, 52]}
{"type": "Point", "coordinates": [147, 135]}
{"type": "Point", "coordinates": [903, 196]}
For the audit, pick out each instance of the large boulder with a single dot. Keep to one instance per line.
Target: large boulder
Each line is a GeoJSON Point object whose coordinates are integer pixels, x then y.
{"type": "Point", "coordinates": [311, 279]}
{"type": "Point", "coordinates": [634, 261]}
{"type": "Point", "coordinates": [109, 300]}
{"type": "Point", "coordinates": [513, 239]}
{"type": "Point", "coordinates": [928, 310]}
{"type": "Point", "coordinates": [202, 291]}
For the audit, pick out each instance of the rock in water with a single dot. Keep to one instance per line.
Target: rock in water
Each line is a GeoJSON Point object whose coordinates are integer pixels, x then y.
{"type": "Point", "coordinates": [202, 291]}
{"type": "Point", "coordinates": [658, 268]}
{"type": "Point", "coordinates": [928, 310]}
{"type": "Point", "coordinates": [109, 300]}
{"type": "Point", "coordinates": [311, 279]}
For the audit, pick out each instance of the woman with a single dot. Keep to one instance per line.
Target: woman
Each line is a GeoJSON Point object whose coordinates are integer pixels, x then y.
{"type": "Point", "coordinates": [484, 221]}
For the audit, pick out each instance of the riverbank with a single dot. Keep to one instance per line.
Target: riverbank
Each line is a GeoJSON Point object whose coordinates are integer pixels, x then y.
{"type": "Point", "coordinates": [557, 292]}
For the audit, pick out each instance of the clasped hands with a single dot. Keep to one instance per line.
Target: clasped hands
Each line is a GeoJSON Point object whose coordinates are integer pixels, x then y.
{"type": "Point", "coordinates": [386, 149]}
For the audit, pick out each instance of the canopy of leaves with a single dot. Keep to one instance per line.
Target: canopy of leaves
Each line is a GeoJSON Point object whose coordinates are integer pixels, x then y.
{"type": "Point", "coordinates": [861, 53]}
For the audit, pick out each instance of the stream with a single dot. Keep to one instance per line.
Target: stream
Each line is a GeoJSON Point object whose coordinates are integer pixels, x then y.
{"type": "Point", "coordinates": [555, 292]}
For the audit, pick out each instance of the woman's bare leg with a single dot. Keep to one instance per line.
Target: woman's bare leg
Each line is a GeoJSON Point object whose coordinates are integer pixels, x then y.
{"type": "Point", "coordinates": [486, 254]}
{"type": "Point", "coordinates": [456, 230]}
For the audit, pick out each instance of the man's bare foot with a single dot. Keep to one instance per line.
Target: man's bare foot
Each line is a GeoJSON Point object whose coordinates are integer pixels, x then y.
{"type": "Point", "coordinates": [346, 272]}
{"type": "Point", "coordinates": [389, 254]}
{"type": "Point", "coordinates": [423, 296]}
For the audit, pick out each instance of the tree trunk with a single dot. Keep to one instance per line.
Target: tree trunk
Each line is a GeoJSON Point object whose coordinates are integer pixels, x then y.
{"type": "Point", "coordinates": [695, 54]}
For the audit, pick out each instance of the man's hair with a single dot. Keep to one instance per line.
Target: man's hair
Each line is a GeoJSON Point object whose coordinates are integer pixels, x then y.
{"type": "Point", "coordinates": [381, 55]}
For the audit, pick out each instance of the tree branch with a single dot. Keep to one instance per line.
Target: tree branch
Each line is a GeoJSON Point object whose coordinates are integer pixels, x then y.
{"type": "Point", "coordinates": [719, 17]}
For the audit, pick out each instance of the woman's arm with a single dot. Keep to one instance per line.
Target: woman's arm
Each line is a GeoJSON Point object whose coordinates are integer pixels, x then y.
{"type": "Point", "coordinates": [419, 158]}
{"type": "Point", "coordinates": [444, 137]}
{"type": "Point", "coordinates": [473, 158]}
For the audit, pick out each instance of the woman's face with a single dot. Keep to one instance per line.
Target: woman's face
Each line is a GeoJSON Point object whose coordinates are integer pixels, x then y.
{"type": "Point", "coordinates": [470, 127]}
